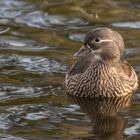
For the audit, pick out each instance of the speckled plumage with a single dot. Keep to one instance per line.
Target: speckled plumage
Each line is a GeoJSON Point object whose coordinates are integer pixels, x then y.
{"type": "Point", "coordinates": [102, 69]}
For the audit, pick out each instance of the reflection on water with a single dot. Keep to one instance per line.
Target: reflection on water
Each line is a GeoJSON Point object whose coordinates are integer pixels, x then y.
{"type": "Point", "coordinates": [37, 41]}
{"type": "Point", "coordinates": [106, 123]}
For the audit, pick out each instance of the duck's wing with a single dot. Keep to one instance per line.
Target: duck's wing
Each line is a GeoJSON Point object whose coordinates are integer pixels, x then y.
{"type": "Point", "coordinates": [76, 70]}
{"type": "Point", "coordinates": [128, 74]}
{"type": "Point", "coordinates": [81, 65]}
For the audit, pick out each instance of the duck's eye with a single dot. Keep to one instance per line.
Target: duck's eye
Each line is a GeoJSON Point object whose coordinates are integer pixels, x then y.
{"type": "Point", "coordinates": [97, 39]}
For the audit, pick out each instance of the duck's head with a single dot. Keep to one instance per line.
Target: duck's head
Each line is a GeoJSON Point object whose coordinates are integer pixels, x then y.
{"type": "Point", "coordinates": [102, 42]}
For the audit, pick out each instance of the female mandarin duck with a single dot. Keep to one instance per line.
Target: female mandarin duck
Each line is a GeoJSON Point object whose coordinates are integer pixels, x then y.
{"type": "Point", "coordinates": [102, 69]}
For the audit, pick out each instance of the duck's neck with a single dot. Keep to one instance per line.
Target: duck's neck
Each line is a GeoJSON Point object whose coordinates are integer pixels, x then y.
{"type": "Point", "coordinates": [105, 58]}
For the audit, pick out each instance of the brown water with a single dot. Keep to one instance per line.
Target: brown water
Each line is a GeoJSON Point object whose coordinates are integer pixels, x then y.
{"type": "Point", "coordinates": [37, 40]}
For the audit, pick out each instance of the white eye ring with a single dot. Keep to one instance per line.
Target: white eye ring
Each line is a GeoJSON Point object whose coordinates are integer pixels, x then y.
{"type": "Point", "coordinates": [99, 40]}
{"type": "Point", "coordinates": [106, 40]}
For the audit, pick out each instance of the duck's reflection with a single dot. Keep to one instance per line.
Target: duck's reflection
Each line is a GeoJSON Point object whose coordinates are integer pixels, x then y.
{"type": "Point", "coordinates": [106, 123]}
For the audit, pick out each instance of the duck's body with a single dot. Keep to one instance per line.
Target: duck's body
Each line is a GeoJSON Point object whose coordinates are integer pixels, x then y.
{"type": "Point", "coordinates": [101, 79]}
{"type": "Point", "coordinates": [102, 71]}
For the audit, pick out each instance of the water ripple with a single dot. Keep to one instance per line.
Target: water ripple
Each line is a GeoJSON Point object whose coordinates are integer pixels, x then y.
{"type": "Point", "coordinates": [40, 19]}
{"type": "Point", "coordinates": [11, 42]}
{"type": "Point", "coordinates": [5, 122]}
{"type": "Point", "coordinates": [77, 37]}
{"type": "Point", "coordinates": [13, 8]}
{"type": "Point", "coordinates": [34, 64]}
{"type": "Point", "coordinates": [34, 112]}
{"type": "Point", "coordinates": [134, 24]}
{"type": "Point", "coordinates": [133, 130]}
{"type": "Point", "coordinates": [25, 13]}
{"type": "Point", "coordinates": [9, 137]}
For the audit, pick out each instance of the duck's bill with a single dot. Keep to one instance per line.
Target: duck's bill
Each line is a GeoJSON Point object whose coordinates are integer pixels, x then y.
{"type": "Point", "coordinates": [82, 51]}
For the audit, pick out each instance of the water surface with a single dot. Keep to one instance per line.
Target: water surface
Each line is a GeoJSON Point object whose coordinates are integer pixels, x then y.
{"type": "Point", "coordinates": [37, 40]}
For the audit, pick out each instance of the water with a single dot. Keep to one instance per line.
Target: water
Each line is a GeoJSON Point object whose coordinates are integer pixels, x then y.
{"type": "Point", "coordinates": [104, 119]}
{"type": "Point", "coordinates": [37, 41]}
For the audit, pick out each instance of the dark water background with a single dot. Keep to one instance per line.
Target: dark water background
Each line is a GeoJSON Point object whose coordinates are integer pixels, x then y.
{"type": "Point", "coordinates": [37, 40]}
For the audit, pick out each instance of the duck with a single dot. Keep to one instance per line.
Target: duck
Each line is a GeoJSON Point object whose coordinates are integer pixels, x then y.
{"type": "Point", "coordinates": [101, 69]}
